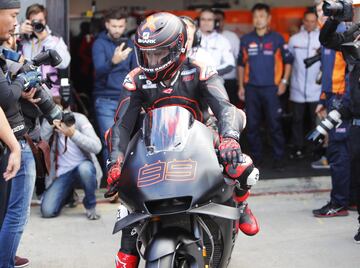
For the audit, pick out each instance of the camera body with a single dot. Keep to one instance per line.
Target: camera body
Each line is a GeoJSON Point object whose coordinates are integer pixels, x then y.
{"type": "Point", "coordinates": [37, 26]}
{"type": "Point", "coordinates": [46, 104]}
{"type": "Point", "coordinates": [68, 118]}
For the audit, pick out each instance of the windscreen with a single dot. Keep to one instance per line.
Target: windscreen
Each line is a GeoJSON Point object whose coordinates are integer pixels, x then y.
{"type": "Point", "coordinates": [167, 129]}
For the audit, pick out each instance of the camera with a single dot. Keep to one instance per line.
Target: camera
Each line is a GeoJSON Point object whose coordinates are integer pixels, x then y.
{"type": "Point", "coordinates": [68, 117]}
{"type": "Point", "coordinates": [351, 52]}
{"type": "Point", "coordinates": [311, 60]}
{"type": "Point", "coordinates": [37, 26]}
{"type": "Point", "coordinates": [333, 119]}
{"type": "Point", "coordinates": [341, 9]}
{"type": "Point", "coordinates": [46, 104]}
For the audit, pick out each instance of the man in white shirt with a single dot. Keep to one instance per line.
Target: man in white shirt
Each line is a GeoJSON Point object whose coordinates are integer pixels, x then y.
{"type": "Point", "coordinates": [231, 77]}
{"type": "Point", "coordinates": [215, 44]}
{"type": "Point", "coordinates": [304, 90]}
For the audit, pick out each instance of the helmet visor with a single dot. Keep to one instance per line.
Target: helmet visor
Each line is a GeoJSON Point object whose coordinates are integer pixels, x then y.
{"type": "Point", "coordinates": [157, 59]}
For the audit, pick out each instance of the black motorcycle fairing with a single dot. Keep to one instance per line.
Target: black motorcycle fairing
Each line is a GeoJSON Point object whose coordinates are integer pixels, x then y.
{"type": "Point", "coordinates": [213, 209]}
{"type": "Point", "coordinates": [149, 177]}
{"type": "Point", "coordinates": [128, 220]}
{"type": "Point", "coordinates": [217, 210]}
{"type": "Point", "coordinates": [167, 241]}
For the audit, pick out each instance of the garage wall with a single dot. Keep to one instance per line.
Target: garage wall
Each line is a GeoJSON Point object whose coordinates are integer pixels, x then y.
{"type": "Point", "coordinates": [79, 6]}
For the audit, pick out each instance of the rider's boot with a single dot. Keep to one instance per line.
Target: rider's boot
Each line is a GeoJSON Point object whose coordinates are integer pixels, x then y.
{"type": "Point", "coordinates": [247, 221]}
{"type": "Point", "coordinates": [124, 260]}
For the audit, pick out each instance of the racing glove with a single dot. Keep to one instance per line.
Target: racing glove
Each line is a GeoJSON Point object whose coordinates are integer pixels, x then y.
{"type": "Point", "coordinates": [230, 152]}
{"type": "Point", "coordinates": [113, 178]}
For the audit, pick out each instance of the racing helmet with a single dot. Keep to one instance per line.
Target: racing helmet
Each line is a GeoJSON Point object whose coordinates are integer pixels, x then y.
{"type": "Point", "coordinates": [160, 46]}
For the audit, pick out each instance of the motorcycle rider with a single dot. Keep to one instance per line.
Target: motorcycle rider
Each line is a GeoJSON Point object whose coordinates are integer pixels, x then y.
{"type": "Point", "coordinates": [166, 77]}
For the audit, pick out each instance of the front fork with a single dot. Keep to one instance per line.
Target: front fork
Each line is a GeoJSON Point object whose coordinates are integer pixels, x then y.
{"type": "Point", "coordinates": [198, 234]}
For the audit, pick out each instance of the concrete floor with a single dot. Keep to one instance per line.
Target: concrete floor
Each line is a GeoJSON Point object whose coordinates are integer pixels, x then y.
{"type": "Point", "coordinates": [290, 237]}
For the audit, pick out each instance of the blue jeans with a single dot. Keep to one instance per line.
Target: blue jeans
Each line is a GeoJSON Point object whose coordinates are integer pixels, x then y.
{"type": "Point", "coordinates": [55, 196]}
{"type": "Point", "coordinates": [105, 110]}
{"type": "Point", "coordinates": [22, 187]}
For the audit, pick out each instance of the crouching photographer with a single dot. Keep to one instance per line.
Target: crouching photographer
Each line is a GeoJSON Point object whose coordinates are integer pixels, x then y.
{"type": "Point", "coordinates": [73, 143]}
{"type": "Point", "coordinates": [348, 43]}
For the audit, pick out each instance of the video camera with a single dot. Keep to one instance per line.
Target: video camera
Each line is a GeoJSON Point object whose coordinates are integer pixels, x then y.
{"type": "Point", "coordinates": [341, 9]}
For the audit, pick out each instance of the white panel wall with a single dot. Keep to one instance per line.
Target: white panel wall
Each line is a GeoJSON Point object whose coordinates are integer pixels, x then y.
{"type": "Point", "coordinates": [25, 4]}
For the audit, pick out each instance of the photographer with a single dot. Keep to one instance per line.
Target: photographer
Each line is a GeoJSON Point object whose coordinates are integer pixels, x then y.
{"type": "Point", "coordinates": [37, 37]}
{"type": "Point", "coordinates": [335, 89]}
{"type": "Point", "coordinates": [22, 184]}
{"type": "Point", "coordinates": [113, 57]}
{"type": "Point", "coordinates": [334, 40]}
{"type": "Point", "coordinates": [74, 144]}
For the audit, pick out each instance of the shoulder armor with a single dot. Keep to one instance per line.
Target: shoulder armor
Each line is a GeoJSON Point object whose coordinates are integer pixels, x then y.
{"type": "Point", "coordinates": [129, 81]}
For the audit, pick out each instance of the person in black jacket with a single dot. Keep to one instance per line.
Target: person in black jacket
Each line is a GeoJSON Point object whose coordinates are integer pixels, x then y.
{"type": "Point", "coordinates": [166, 77]}
{"type": "Point", "coordinates": [334, 40]}
{"type": "Point", "coordinates": [22, 184]}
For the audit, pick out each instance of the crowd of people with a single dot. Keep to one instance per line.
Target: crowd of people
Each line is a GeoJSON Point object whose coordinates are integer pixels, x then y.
{"type": "Point", "coordinates": [255, 69]}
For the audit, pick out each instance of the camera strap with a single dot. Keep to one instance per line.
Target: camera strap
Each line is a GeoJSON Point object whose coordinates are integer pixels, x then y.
{"type": "Point", "coordinates": [41, 152]}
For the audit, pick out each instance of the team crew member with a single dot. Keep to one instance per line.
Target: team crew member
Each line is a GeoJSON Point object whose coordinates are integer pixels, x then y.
{"type": "Point", "coordinates": [264, 69]}
{"type": "Point", "coordinates": [214, 43]}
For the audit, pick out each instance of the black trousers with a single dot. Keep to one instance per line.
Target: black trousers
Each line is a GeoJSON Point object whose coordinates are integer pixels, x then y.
{"type": "Point", "coordinates": [355, 162]}
{"type": "Point", "coordinates": [4, 188]}
{"type": "Point", "coordinates": [299, 113]}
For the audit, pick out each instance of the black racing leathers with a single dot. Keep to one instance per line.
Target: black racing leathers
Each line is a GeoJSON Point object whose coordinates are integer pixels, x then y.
{"type": "Point", "coordinates": [332, 39]}
{"type": "Point", "coordinates": [194, 87]}
{"type": "Point", "coordinates": [10, 94]}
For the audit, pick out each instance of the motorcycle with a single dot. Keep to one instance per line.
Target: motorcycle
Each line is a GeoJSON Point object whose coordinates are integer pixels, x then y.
{"type": "Point", "coordinates": [173, 186]}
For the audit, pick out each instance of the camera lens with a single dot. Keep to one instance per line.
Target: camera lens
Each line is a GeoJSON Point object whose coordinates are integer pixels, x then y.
{"type": "Point", "coordinates": [38, 26]}
{"type": "Point", "coordinates": [333, 8]}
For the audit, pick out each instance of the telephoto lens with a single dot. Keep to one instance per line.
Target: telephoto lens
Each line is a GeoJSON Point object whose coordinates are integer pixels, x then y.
{"type": "Point", "coordinates": [341, 10]}
{"type": "Point", "coordinates": [332, 120]}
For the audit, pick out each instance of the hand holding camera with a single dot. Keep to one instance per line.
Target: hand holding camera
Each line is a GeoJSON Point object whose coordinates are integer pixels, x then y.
{"type": "Point", "coordinates": [32, 79]}
{"type": "Point", "coordinates": [121, 53]}
{"type": "Point", "coordinates": [34, 27]}
{"type": "Point", "coordinates": [64, 128]}
{"type": "Point", "coordinates": [30, 96]}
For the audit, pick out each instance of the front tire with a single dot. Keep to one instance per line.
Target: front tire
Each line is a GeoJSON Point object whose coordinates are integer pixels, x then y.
{"type": "Point", "coordinates": [163, 262]}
